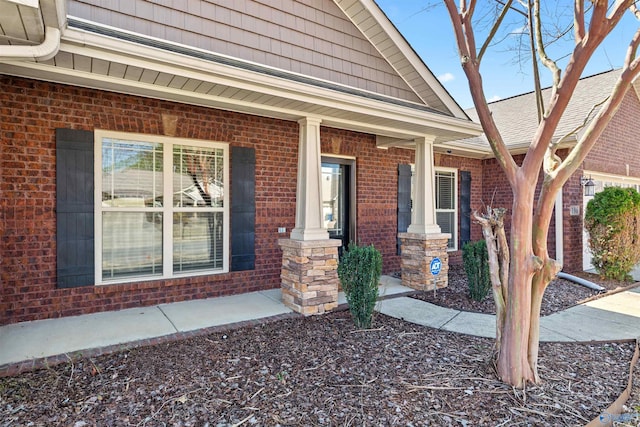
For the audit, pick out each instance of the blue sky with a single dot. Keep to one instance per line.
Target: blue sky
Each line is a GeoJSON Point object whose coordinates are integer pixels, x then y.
{"type": "Point", "coordinates": [427, 27]}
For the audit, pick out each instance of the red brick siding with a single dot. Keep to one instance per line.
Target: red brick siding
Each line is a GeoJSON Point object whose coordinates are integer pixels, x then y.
{"type": "Point", "coordinates": [572, 195]}
{"type": "Point", "coordinates": [30, 111]}
{"type": "Point", "coordinates": [619, 144]}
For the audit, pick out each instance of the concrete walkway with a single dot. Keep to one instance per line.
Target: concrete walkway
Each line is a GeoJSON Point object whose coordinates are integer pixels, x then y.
{"type": "Point", "coordinates": [614, 317]}
{"type": "Point", "coordinates": [609, 318]}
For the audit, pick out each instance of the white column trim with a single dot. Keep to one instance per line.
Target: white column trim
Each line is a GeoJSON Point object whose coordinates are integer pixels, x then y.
{"type": "Point", "coordinates": [309, 225]}
{"type": "Point", "coordinates": [423, 217]}
{"type": "Point", "coordinates": [559, 217]}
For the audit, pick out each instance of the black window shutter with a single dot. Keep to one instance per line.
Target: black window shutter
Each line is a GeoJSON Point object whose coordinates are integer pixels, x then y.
{"type": "Point", "coordinates": [243, 208]}
{"type": "Point", "coordinates": [404, 200]}
{"type": "Point", "coordinates": [465, 207]}
{"type": "Point", "coordinates": [74, 208]}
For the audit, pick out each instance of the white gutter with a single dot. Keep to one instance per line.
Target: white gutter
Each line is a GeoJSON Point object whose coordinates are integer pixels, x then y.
{"type": "Point", "coordinates": [45, 50]}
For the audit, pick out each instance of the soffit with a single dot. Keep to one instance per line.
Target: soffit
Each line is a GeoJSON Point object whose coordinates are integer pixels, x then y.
{"type": "Point", "coordinates": [23, 22]}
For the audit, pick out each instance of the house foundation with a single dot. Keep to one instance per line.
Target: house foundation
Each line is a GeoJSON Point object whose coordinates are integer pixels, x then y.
{"type": "Point", "coordinates": [310, 275]}
{"type": "Point", "coordinates": [418, 250]}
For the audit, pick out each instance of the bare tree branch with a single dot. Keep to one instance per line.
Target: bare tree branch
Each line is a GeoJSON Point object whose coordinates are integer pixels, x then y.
{"type": "Point", "coordinates": [600, 26]}
{"type": "Point", "coordinates": [465, 39]}
{"type": "Point", "coordinates": [494, 28]}
{"type": "Point", "coordinates": [578, 21]}
{"type": "Point", "coordinates": [546, 61]}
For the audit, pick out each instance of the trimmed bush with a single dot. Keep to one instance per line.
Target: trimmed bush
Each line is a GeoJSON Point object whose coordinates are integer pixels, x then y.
{"type": "Point", "coordinates": [359, 272]}
{"type": "Point", "coordinates": [476, 265]}
{"type": "Point", "coordinates": [612, 219]}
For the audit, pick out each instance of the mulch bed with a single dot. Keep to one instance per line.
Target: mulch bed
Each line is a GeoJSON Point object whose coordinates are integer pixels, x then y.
{"type": "Point", "coordinates": [322, 371]}
{"type": "Point", "coordinates": [317, 371]}
{"type": "Point", "coordinates": [559, 295]}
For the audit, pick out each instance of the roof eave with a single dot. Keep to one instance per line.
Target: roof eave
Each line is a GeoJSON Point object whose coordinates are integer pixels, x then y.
{"type": "Point", "coordinates": [345, 110]}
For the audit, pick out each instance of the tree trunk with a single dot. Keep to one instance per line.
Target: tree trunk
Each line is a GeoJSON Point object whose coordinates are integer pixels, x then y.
{"type": "Point", "coordinates": [513, 355]}
{"type": "Point", "coordinates": [530, 272]}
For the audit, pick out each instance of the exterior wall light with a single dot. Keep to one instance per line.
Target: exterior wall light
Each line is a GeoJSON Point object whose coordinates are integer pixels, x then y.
{"type": "Point", "coordinates": [589, 186]}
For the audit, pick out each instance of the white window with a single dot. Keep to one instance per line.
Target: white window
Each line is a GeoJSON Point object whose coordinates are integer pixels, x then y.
{"type": "Point", "coordinates": [446, 185]}
{"type": "Point", "coordinates": [161, 207]}
{"type": "Point", "coordinates": [447, 203]}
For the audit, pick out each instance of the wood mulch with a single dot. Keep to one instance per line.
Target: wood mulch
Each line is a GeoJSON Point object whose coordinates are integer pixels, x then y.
{"type": "Point", "coordinates": [319, 371]}
{"type": "Point", "coordinates": [559, 295]}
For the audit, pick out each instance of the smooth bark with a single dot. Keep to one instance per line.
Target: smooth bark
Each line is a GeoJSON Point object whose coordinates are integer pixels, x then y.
{"type": "Point", "coordinates": [525, 271]}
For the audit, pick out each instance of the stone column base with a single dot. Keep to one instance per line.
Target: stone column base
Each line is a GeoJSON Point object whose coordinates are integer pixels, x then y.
{"type": "Point", "coordinates": [310, 275]}
{"type": "Point", "coordinates": [417, 252]}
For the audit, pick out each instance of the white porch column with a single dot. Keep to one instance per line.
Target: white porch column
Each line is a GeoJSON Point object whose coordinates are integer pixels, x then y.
{"type": "Point", "coordinates": [309, 225]}
{"type": "Point", "coordinates": [423, 218]}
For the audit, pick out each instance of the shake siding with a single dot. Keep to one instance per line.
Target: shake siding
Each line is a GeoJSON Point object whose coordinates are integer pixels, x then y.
{"type": "Point", "coordinates": [311, 37]}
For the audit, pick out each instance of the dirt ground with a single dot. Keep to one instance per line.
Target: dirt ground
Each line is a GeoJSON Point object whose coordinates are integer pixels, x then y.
{"type": "Point", "coordinates": [321, 371]}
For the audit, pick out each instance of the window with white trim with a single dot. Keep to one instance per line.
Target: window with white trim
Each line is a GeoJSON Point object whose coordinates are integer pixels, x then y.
{"type": "Point", "coordinates": [446, 184]}
{"type": "Point", "coordinates": [446, 198]}
{"type": "Point", "coordinates": [161, 207]}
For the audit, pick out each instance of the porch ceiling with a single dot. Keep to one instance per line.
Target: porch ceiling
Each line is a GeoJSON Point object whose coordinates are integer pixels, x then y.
{"type": "Point", "coordinates": [105, 58]}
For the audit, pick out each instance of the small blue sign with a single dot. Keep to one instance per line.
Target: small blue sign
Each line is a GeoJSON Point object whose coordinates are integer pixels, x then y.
{"type": "Point", "coordinates": [435, 266]}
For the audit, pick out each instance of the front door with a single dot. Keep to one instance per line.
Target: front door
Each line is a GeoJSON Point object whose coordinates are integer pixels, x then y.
{"type": "Point", "coordinates": [337, 202]}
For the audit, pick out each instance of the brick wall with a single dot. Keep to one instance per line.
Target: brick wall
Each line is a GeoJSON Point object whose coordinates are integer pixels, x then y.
{"type": "Point", "coordinates": [30, 111]}
{"type": "Point", "coordinates": [619, 144]}
{"type": "Point", "coordinates": [572, 225]}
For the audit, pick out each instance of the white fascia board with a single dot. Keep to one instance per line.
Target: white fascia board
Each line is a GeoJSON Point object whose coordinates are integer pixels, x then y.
{"type": "Point", "coordinates": [109, 49]}
{"type": "Point", "coordinates": [417, 63]}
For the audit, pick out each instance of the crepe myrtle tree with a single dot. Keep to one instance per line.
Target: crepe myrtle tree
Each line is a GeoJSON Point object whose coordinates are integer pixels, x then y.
{"type": "Point", "coordinates": [521, 271]}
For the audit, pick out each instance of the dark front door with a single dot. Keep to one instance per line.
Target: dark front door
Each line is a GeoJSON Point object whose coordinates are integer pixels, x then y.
{"type": "Point", "coordinates": [337, 203]}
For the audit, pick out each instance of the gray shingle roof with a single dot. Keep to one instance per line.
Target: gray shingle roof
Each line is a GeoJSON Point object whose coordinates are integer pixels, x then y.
{"type": "Point", "coordinates": [517, 120]}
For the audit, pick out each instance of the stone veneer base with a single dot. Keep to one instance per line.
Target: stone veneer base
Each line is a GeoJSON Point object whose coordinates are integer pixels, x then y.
{"type": "Point", "coordinates": [310, 275]}
{"type": "Point", "coordinates": [417, 252]}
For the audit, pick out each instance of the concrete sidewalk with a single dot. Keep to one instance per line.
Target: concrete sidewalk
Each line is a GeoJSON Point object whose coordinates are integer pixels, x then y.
{"type": "Point", "coordinates": [613, 317]}
{"type": "Point", "coordinates": [610, 318]}
{"type": "Point", "coordinates": [52, 337]}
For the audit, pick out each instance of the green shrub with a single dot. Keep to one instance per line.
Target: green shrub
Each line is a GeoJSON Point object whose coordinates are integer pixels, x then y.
{"type": "Point", "coordinates": [612, 219]}
{"type": "Point", "coordinates": [476, 265]}
{"type": "Point", "coordinates": [359, 272]}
